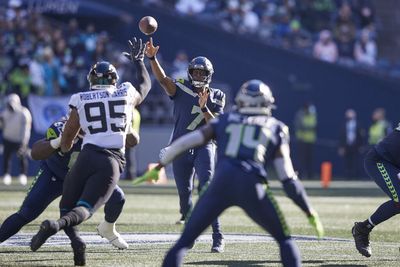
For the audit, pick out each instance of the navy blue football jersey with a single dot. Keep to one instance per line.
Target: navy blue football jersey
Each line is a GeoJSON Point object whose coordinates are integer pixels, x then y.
{"type": "Point", "coordinates": [187, 113]}
{"type": "Point", "coordinates": [60, 163]}
{"type": "Point", "coordinates": [249, 141]}
{"type": "Point", "coordinates": [389, 147]}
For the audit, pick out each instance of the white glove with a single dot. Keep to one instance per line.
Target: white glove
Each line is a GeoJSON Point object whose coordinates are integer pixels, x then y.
{"type": "Point", "coordinates": [55, 143]}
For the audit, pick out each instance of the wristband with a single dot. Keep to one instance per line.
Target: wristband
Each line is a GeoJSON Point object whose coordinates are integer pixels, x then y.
{"type": "Point", "coordinates": [152, 58]}
{"type": "Point", "coordinates": [55, 143]}
{"type": "Point", "coordinates": [204, 109]}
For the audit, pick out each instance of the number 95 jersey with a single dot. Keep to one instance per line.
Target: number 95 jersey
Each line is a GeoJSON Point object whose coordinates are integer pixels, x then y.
{"type": "Point", "coordinates": [104, 113]}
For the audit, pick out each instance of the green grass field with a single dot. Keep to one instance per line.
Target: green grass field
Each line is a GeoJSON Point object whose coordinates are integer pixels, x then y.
{"type": "Point", "coordinates": [155, 209]}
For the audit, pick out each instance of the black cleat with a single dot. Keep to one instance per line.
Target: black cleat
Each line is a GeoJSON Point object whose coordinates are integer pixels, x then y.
{"type": "Point", "coordinates": [79, 248]}
{"type": "Point", "coordinates": [181, 220]}
{"type": "Point", "coordinates": [47, 229]}
{"type": "Point", "coordinates": [361, 238]}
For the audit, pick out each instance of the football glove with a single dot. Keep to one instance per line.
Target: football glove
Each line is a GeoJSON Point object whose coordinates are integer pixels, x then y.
{"type": "Point", "coordinates": [316, 223]}
{"type": "Point", "coordinates": [137, 48]}
{"type": "Point", "coordinates": [150, 175]}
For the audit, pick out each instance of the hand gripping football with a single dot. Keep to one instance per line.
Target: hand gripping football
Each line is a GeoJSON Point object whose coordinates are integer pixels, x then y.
{"type": "Point", "coordinates": [148, 25]}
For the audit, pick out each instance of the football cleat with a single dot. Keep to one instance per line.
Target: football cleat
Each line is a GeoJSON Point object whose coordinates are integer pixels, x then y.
{"type": "Point", "coordinates": [361, 238]}
{"type": "Point", "coordinates": [23, 179]}
{"type": "Point", "coordinates": [181, 220]}
{"type": "Point", "coordinates": [218, 245]}
{"type": "Point", "coordinates": [107, 231]}
{"type": "Point", "coordinates": [7, 179]}
{"type": "Point", "coordinates": [79, 249]}
{"type": "Point", "coordinates": [47, 229]}
{"type": "Point", "coordinates": [316, 223]}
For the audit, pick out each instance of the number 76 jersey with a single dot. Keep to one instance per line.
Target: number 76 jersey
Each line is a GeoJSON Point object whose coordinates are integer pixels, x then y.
{"type": "Point", "coordinates": [104, 113]}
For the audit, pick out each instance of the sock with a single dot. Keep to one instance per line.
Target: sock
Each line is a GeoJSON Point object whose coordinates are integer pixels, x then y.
{"type": "Point", "coordinates": [11, 226]}
{"type": "Point", "coordinates": [384, 212]}
{"type": "Point", "coordinates": [294, 189]}
{"type": "Point", "coordinates": [113, 210]}
{"type": "Point", "coordinates": [74, 217]}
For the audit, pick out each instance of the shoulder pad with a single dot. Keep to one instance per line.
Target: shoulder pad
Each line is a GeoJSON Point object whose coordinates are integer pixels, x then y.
{"type": "Point", "coordinates": [55, 129]}
{"type": "Point", "coordinates": [180, 80]}
{"type": "Point", "coordinates": [125, 85]}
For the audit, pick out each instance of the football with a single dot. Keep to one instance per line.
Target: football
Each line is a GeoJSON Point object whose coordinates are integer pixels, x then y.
{"type": "Point", "coordinates": [148, 25]}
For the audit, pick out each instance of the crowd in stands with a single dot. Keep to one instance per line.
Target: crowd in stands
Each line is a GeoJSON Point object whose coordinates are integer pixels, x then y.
{"type": "Point", "coordinates": [45, 57]}
{"type": "Point", "coordinates": [337, 31]}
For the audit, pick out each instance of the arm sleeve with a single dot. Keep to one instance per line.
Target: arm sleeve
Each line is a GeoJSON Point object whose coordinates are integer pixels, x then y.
{"type": "Point", "coordinates": [143, 82]}
{"type": "Point", "coordinates": [283, 163]}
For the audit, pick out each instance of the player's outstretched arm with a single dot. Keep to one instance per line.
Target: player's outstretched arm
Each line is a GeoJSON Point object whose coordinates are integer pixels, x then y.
{"type": "Point", "coordinates": [166, 82]}
{"type": "Point", "coordinates": [42, 149]}
{"type": "Point", "coordinates": [136, 55]}
{"type": "Point", "coordinates": [168, 154]}
{"type": "Point", "coordinates": [71, 131]}
{"type": "Point", "coordinates": [294, 189]}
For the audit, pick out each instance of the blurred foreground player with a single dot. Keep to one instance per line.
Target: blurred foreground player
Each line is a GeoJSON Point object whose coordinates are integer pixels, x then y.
{"type": "Point", "coordinates": [248, 138]}
{"type": "Point", "coordinates": [382, 163]}
{"type": "Point", "coordinates": [102, 113]}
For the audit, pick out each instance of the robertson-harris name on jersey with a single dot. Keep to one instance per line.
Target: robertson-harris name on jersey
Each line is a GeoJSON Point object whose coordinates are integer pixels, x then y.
{"type": "Point", "coordinates": [94, 95]}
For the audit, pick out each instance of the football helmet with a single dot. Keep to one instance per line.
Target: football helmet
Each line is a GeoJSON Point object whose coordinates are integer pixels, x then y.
{"type": "Point", "coordinates": [254, 97]}
{"type": "Point", "coordinates": [102, 73]}
{"type": "Point", "coordinates": [200, 63]}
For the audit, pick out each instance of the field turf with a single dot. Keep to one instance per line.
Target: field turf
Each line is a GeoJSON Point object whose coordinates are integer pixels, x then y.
{"type": "Point", "coordinates": [148, 225]}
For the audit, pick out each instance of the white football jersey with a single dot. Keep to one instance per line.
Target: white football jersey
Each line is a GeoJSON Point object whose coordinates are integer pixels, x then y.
{"type": "Point", "coordinates": [105, 114]}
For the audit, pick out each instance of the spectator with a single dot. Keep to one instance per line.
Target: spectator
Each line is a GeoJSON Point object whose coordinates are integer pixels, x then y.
{"type": "Point", "coordinates": [190, 7]}
{"type": "Point", "coordinates": [180, 65]}
{"type": "Point", "coordinates": [379, 128]}
{"type": "Point", "coordinates": [306, 134]}
{"type": "Point", "coordinates": [325, 48]}
{"type": "Point", "coordinates": [345, 32]}
{"type": "Point", "coordinates": [365, 49]}
{"type": "Point", "coordinates": [350, 144]}
{"type": "Point", "coordinates": [16, 122]}
{"type": "Point", "coordinates": [53, 77]}
{"type": "Point", "coordinates": [19, 80]}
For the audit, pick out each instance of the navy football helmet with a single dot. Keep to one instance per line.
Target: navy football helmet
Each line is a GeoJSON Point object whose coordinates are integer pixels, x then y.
{"type": "Point", "coordinates": [200, 63]}
{"type": "Point", "coordinates": [102, 73]}
{"type": "Point", "coordinates": [255, 97]}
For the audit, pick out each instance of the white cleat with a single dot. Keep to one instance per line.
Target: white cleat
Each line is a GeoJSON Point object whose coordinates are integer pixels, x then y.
{"type": "Point", "coordinates": [23, 179]}
{"type": "Point", "coordinates": [7, 179]}
{"type": "Point", "coordinates": [107, 231]}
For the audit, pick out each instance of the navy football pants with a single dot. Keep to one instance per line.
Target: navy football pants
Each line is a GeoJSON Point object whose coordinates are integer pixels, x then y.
{"type": "Point", "coordinates": [233, 187]}
{"type": "Point", "coordinates": [385, 174]}
{"type": "Point", "coordinates": [201, 161]}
